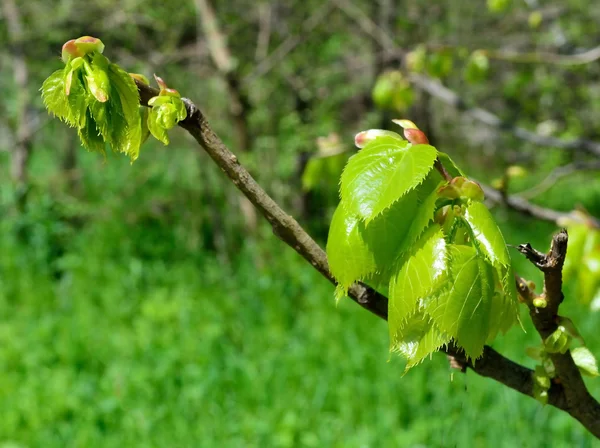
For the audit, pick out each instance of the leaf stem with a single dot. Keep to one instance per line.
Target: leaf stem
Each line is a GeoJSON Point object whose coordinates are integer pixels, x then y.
{"type": "Point", "coordinates": [442, 170]}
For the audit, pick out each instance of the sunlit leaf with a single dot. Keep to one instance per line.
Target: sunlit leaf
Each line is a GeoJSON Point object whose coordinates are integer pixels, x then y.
{"type": "Point", "coordinates": [90, 136]}
{"type": "Point", "coordinates": [54, 96]}
{"type": "Point", "coordinates": [463, 311]}
{"type": "Point", "coordinates": [421, 273]}
{"type": "Point", "coordinates": [487, 234]}
{"type": "Point", "coordinates": [585, 360]}
{"type": "Point", "coordinates": [381, 173]}
{"type": "Point", "coordinates": [349, 256]}
{"type": "Point", "coordinates": [417, 339]}
{"type": "Point", "coordinates": [558, 341]}
{"type": "Point", "coordinates": [156, 129]}
{"type": "Point", "coordinates": [541, 384]}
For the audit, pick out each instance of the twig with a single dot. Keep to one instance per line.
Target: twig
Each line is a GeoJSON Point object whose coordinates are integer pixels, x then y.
{"type": "Point", "coordinates": [578, 401]}
{"type": "Point", "coordinates": [527, 208]}
{"type": "Point", "coordinates": [557, 174]}
{"type": "Point", "coordinates": [491, 364]}
{"type": "Point", "coordinates": [289, 44]}
{"type": "Point", "coordinates": [449, 97]}
{"type": "Point", "coordinates": [545, 58]}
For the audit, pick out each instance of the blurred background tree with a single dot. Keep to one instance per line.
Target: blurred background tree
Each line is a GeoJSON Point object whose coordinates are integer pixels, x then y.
{"type": "Point", "coordinates": [148, 304]}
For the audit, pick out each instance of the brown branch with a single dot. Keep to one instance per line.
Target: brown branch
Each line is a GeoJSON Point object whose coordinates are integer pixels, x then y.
{"type": "Point", "coordinates": [558, 173]}
{"type": "Point", "coordinates": [577, 400]}
{"type": "Point", "coordinates": [527, 208]}
{"type": "Point", "coordinates": [491, 364]}
{"type": "Point", "coordinates": [449, 97]}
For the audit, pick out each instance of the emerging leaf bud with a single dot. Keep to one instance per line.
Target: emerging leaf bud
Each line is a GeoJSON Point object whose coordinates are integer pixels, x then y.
{"type": "Point", "coordinates": [472, 190]}
{"type": "Point", "coordinates": [405, 124]}
{"type": "Point", "coordinates": [416, 136]}
{"type": "Point", "coordinates": [540, 302]}
{"type": "Point", "coordinates": [140, 78]}
{"type": "Point", "coordinates": [89, 44]}
{"type": "Point", "coordinates": [161, 84]}
{"type": "Point", "coordinates": [363, 138]}
{"type": "Point", "coordinates": [70, 51]}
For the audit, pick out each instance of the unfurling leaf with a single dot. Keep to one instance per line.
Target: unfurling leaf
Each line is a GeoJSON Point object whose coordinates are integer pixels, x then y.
{"type": "Point", "coordinates": [558, 341]}
{"type": "Point", "coordinates": [486, 233]}
{"type": "Point", "coordinates": [585, 360]}
{"type": "Point", "coordinates": [464, 310]}
{"type": "Point", "coordinates": [417, 339]}
{"type": "Point", "coordinates": [167, 110]}
{"type": "Point", "coordinates": [541, 384]}
{"type": "Point", "coordinates": [97, 97]}
{"type": "Point", "coordinates": [420, 274]}
{"type": "Point", "coordinates": [381, 173]}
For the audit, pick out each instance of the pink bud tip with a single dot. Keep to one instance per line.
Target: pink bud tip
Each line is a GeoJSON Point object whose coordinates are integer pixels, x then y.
{"type": "Point", "coordinates": [70, 50]}
{"type": "Point", "coordinates": [160, 82]}
{"type": "Point", "coordinates": [416, 136]}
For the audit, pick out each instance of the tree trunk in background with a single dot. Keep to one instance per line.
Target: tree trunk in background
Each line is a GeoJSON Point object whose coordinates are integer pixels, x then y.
{"type": "Point", "coordinates": [239, 105]}
{"type": "Point", "coordinates": [21, 125]}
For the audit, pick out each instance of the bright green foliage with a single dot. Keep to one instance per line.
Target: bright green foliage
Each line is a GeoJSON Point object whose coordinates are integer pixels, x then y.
{"type": "Point", "coordinates": [541, 384]}
{"type": "Point", "coordinates": [167, 109]}
{"type": "Point", "coordinates": [486, 233]}
{"type": "Point", "coordinates": [440, 255]}
{"type": "Point", "coordinates": [585, 360]}
{"type": "Point", "coordinates": [558, 341]}
{"type": "Point", "coordinates": [381, 173]}
{"type": "Point", "coordinates": [421, 274]}
{"type": "Point", "coordinates": [96, 97]}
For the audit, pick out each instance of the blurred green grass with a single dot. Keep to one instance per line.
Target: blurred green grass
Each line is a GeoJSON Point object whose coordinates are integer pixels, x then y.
{"type": "Point", "coordinates": [133, 333]}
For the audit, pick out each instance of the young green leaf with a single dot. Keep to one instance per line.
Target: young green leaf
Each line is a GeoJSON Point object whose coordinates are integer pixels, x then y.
{"type": "Point", "coordinates": [356, 251]}
{"type": "Point", "coordinates": [381, 173]}
{"type": "Point", "coordinates": [486, 233]}
{"type": "Point", "coordinates": [54, 96]}
{"type": "Point", "coordinates": [349, 256]}
{"type": "Point", "coordinates": [450, 166]}
{"type": "Point", "coordinates": [558, 341]}
{"type": "Point", "coordinates": [417, 339]}
{"type": "Point", "coordinates": [585, 360]}
{"type": "Point", "coordinates": [420, 274]}
{"type": "Point", "coordinates": [90, 136]}
{"type": "Point", "coordinates": [463, 311]}
{"type": "Point", "coordinates": [541, 384]}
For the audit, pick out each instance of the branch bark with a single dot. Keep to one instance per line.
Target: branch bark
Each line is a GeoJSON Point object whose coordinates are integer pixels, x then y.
{"type": "Point", "coordinates": [491, 364]}
{"type": "Point", "coordinates": [449, 97]}
{"type": "Point", "coordinates": [577, 400]}
{"type": "Point", "coordinates": [521, 205]}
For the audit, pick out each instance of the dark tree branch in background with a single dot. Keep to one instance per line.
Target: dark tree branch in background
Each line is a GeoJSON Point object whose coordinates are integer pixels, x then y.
{"type": "Point", "coordinates": [449, 97]}
{"type": "Point", "coordinates": [585, 57]}
{"type": "Point", "coordinates": [291, 42]}
{"type": "Point", "coordinates": [491, 364]}
{"type": "Point", "coordinates": [527, 208]}
{"type": "Point", "coordinates": [557, 174]}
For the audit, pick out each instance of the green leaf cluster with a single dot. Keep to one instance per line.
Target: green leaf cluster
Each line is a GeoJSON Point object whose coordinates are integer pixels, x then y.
{"type": "Point", "coordinates": [96, 97]}
{"type": "Point", "coordinates": [442, 260]}
{"type": "Point", "coordinates": [167, 109]}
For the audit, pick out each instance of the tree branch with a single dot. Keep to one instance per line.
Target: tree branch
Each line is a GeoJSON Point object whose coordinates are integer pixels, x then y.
{"type": "Point", "coordinates": [491, 364]}
{"type": "Point", "coordinates": [577, 400]}
{"type": "Point", "coordinates": [527, 208]}
{"type": "Point", "coordinates": [449, 97]}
